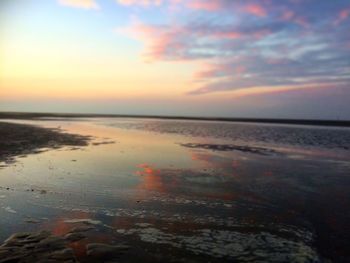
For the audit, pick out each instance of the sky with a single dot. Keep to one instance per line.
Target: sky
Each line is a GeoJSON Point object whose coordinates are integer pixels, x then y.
{"type": "Point", "coordinates": [223, 58]}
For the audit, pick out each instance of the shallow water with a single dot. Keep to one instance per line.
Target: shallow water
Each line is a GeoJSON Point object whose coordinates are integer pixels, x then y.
{"type": "Point", "coordinates": [181, 190]}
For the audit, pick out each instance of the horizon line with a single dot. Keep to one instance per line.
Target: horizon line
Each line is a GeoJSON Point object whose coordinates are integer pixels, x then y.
{"type": "Point", "coordinates": [313, 122]}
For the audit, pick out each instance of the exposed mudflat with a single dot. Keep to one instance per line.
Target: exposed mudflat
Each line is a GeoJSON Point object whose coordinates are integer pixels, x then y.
{"type": "Point", "coordinates": [128, 190]}
{"type": "Point", "coordinates": [44, 247]}
{"type": "Point", "coordinates": [230, 147]}
{"type": "Point", "coordinates": [35, 247]}
{"type": "Point", "coordinates": [19, 139]}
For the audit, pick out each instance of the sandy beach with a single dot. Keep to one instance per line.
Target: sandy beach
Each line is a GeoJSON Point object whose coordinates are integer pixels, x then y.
{"type": "Point", "coordinates": [128, 189]}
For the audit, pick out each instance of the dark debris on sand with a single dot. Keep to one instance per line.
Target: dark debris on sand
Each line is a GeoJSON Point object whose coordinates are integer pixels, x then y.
{"type": "Point", "coordinates": [35, 247]}
{"type": "Point", "coordinates": [43, 247]}
{"type": "Point", "coordinates": [230, 147]}
{"type": "Point", "coordinates": [19, 139]}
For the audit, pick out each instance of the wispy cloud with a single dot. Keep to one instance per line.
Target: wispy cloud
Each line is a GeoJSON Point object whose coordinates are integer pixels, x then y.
{"type": "Point", "coordinates": [255, 9]}
{"type": "Point", "coordinates": [251, 44]}
{"type": "Point", "coordinates": [140, 2]}
{"type": "Point", "coordinates": [342, 15]}
{"type": "Point", "coordinates": [204, 5]}
{"type": "Point", "coordinates": [85, 4]}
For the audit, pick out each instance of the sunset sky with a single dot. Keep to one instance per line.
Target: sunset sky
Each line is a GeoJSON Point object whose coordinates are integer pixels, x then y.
{"type": "Point", "coordinates": [235, 58]}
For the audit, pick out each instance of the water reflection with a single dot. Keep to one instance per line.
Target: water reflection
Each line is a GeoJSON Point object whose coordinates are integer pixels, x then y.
{"type": "Point", "coordinates": [80, 223]}
{"type": "Point", "coordinates": [151, 178]}
{"type": "Point", "coordinates": [150, 191]}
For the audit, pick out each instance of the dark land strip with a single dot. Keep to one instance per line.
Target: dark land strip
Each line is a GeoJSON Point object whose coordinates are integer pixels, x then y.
{"type": "Point", "coordinates": [22, 139]}
{"type": "Point", "coordinates": [42, 116]}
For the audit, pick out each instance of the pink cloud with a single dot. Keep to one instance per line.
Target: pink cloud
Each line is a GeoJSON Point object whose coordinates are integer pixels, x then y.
{"type": "Point", "coordinates": [287, 15]}
{"type": "Point", "coordinates": [179, 42]}
{"type": "Point", "coordinates": [157, 39]}
{"type": "Point", "coordinates": [229, 35]}
{"type": "Point", "coordinates": [343, 15]}
{"type": "Point", "coordinates": [204, 5]}
{"type": "Point", "coordinates": [140, 2]}
{"type": "Point", "coordinates": [85, 4]}
{"type": "Point", "coordinates": [208, 5]}
{"type": "Point", "coordinates": [255, 9]}
{"type": "Point", "coordinates": [240, 69]}
{"type": "Point", "coordinates": [261, 34]}
{"type": "Point", "coordinates": [211, 71]}
{"type": "Point", "coordinates": [221, 70]}
{"type": "Point", "coordinates": [188, 42]}
{"type": "Point", "coordinates": [292, 17]}
{"type": "Point", "coordinates": [302, 21]}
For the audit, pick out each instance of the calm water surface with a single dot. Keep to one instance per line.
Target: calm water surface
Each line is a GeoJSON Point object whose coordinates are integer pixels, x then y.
{"type": "Point", "coordinates": [187, 191]}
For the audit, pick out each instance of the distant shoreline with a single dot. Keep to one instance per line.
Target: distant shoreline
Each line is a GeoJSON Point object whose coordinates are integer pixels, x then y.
{"type": "Point", "coordinates": [33, 115]}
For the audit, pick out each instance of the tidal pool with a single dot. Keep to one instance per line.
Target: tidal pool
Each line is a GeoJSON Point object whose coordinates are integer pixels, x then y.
{"type": "Point", "coordinates": [187, 191]}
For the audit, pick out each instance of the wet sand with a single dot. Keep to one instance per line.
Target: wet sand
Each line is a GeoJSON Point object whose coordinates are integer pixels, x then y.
{"type": "Point", "coordinates": [164, 191]}
{"type": "Point", "coordinates": [21, 139]}
{"type": "Point", "coordinates": [44, 247]}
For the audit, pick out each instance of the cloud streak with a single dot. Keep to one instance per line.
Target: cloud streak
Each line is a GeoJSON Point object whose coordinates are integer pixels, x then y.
{"type": "Point", "coordinates": [84, 4]}
{"type": "Point", "coordinates": [139, 2]}
{"type": "Point", "coordinates": [252, 44]}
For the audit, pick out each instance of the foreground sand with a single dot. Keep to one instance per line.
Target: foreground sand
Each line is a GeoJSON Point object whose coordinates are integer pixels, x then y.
{"type": "Point", "coordinates": [21, 139]}
{"type": "Point", "coordinates": [42, 246]}
{"type": "Point", "coordinates": [173, 192]}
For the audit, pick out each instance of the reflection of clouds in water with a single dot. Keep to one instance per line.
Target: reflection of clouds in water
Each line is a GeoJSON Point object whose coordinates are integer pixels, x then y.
{"type": "Point", "coordinates": [80, 222]}
{"type": "Point", "coordinates": [235, 245]}
{"type": "Point", "coordinates": [190, 232]}
{"type": "Point", "coordinates": [152, 180]}
{"type": "Point", "coordinates": [223, 190]}
{"type": "Point", "coordinates": [59, 227]}
{"type": "Point", "coordinates": [211, 184]}
{"type": "Point", "coordinates": [147, 215]}
{"type": "Point", "coordinates": [170, 180]}
{"type": "Point", "coordinates": [213, 162]}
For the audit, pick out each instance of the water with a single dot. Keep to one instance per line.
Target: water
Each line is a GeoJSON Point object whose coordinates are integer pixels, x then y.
{"type": "Point", "coordinates": [189, 191]}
